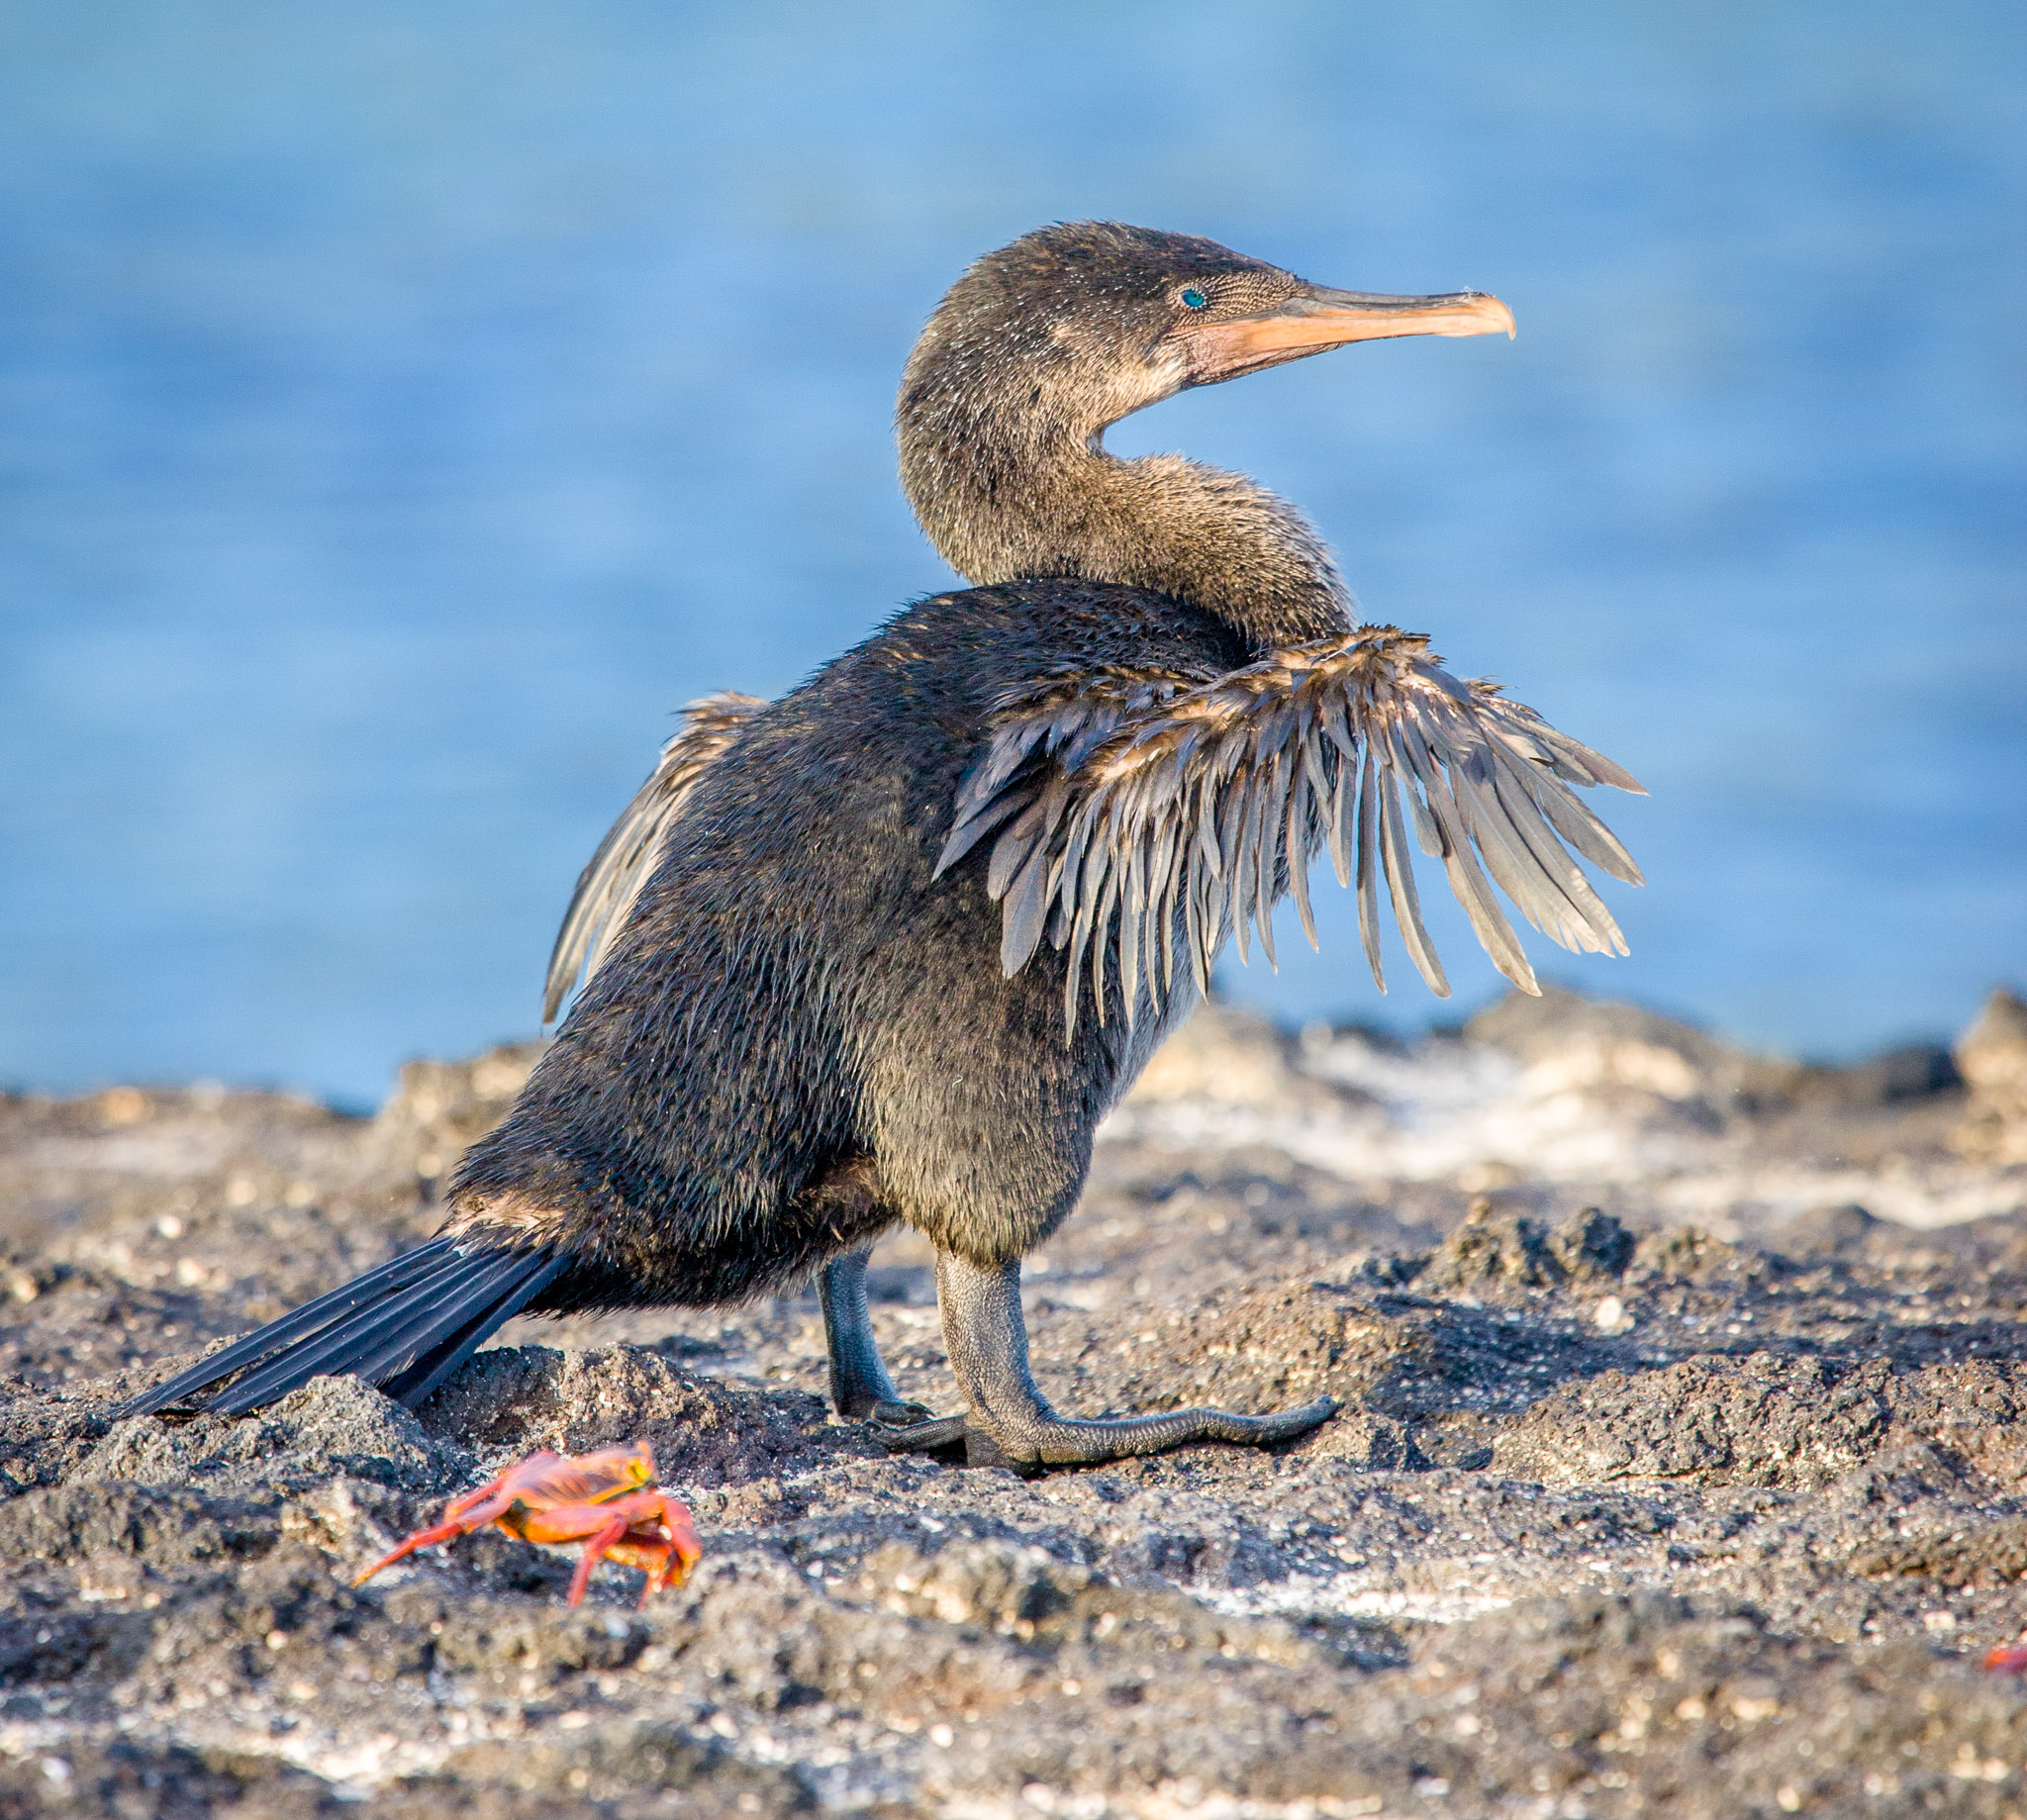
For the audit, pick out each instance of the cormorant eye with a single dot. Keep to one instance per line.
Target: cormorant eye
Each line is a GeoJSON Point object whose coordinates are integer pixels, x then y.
{"type": "Point", "coordinates": [1195, 299]}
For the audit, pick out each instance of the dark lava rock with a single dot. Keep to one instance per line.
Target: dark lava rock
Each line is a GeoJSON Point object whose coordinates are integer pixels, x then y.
{"type": "Point", "coordinates": [333, 1427]}
{"type": "Point", "coordinates": [1834, 1231]}
{"type": "Point", "coordinates": [704, 1432]}
{"type": "Point", "coordinates": [1619, 1516]}
{"type": "Point", "coordinates": [1491, 1252]}
{"type": "Point", "coordinates": [168, 1525]}
{"type": "Point", "coordinates": [1765, 1419]}
{"type": "Point", "coordinates": [135, 1780]}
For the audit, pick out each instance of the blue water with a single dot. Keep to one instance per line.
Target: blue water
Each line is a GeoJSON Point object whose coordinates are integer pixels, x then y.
{"type": "Point", "coordinates": [403, 407]}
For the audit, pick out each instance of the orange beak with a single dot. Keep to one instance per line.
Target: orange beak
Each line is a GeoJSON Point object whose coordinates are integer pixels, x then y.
{"type": "Point", "coordinates": [1318, 317]}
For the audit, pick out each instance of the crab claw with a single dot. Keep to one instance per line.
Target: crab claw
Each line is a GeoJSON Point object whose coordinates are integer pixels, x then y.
{"type": "Point", "coordinates": [655, 1535]}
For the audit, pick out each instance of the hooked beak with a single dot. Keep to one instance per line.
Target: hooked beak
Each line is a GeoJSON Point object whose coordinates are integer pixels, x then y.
{"type": "Point", "coordinates": [1318, 317]}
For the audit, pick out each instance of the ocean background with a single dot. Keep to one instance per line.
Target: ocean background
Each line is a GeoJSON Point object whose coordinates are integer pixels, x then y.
{"type": "Point", "coordinates": [404, 408]}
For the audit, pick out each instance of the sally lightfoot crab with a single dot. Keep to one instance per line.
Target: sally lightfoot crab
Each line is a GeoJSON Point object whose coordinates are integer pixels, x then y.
{"type": "Point", "coordinates": [607, 1500]}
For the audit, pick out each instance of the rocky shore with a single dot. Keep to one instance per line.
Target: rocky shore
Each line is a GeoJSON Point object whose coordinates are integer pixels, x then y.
{"type": "Point", "coordinates": [1682, 1468]}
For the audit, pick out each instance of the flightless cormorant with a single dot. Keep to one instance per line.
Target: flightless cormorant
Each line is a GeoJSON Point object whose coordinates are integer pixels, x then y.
{"type": "Point", "coordinates": [887, 950]}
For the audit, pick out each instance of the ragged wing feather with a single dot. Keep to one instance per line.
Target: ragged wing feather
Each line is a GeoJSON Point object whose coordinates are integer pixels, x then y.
{"type": "Point", "coordinates": [611, 884]}
{"type": "Point", "coordinates": [1147, 800]}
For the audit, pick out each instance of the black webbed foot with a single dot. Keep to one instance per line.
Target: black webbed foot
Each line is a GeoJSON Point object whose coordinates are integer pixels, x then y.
{"type": "Point", "coordinates": [955, 1442]}
{"type": "Point", "coordinates": [943, 1438]}
{"type": "Point", "coordinates": [900, 1414]}
{"type": "Point", "coordinates": [1011, 1424]}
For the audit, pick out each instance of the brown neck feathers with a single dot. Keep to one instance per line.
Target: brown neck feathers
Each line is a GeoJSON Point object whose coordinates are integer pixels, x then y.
{"type": "Point", "coordinates": [1010, 488]}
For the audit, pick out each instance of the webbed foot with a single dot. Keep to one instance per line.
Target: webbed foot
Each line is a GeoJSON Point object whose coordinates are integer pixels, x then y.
{"type": "Point", "coordinates": [944, 1437]}
{"type": "Point", "coordinates": [893, 1414]}
{"type": "Point", "coordinates": [1010, 1423]}
{"type": "Point", "coordinates": [1059, 1441]}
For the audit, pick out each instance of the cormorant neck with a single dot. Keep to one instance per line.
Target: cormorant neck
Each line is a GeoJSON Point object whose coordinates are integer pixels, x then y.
{"type": "Point", "coordinates": [1008, 496]}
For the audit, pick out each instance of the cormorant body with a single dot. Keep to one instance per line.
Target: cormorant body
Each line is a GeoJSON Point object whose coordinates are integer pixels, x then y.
{"type": "Point", "coordinates": [887, 950]}
{"type": "Point", "coordinates": [793, 1045]}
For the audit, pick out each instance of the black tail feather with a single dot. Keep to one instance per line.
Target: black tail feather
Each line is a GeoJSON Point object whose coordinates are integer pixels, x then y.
{"type": "Point", "coordinates": [397, 1274]}
{"type": "Point", "coordinates": [356, 1342]}
{"type": "Point", "coordinates": [404, 1326]}
{"type": "Point", "coordinates": [428, 1325]}
{"type": "Point", "coordinates": [428, 1372]}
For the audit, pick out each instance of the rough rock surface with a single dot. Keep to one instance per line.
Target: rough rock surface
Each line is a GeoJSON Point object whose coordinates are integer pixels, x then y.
{"type": "Point", "coordinates": [1991, 1056]}
{"type": "Point", "coordinates": [1682, 1468]}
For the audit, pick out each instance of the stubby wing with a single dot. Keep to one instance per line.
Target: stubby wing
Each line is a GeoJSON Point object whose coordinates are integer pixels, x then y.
{"type": "Point", "coordinates": [609, 885]}
{"type": "Point", "coordinates": [1117, 815]}
{"type": "Point", "coordinates": [1029, 778]}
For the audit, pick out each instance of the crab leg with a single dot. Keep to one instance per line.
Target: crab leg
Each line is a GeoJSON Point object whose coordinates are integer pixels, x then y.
{"type": "Point", "coordinates": [478, 1514]}
{"type": "Point", "coordinates": [595, 1547]}
{"type": "Point", "coordinates": [599, 1527]}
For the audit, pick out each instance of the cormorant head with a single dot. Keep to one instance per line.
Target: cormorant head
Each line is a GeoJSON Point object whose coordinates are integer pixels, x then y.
{"type": "Point", "coordinates": [1078, 325]}
{"type": "Point", "coordinates": [1042, 344]}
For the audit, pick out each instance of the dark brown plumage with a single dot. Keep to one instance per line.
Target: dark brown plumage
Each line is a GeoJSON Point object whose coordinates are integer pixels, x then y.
{"type": "Point", "coordinates": [888, 949]}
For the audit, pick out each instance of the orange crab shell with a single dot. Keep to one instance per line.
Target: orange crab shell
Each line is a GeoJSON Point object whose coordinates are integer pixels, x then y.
{"type": "Point", "coordinates": [607, 1500]}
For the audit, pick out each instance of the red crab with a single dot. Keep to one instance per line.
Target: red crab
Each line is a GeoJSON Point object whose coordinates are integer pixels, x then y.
{"type": "Point", "coordinates": [607, 1501]}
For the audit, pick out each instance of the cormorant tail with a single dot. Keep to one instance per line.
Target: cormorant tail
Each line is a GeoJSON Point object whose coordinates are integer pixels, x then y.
{"type": "Point", "coordinates": [404, 1327]}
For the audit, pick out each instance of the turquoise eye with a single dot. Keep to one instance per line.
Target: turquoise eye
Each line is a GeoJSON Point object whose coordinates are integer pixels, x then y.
{"type": "Point", "coordinates": [1194, 298]}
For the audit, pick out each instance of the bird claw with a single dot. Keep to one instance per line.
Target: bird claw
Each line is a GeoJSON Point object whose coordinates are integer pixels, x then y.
{"type": "Point", "coordinates": [607, 1500]}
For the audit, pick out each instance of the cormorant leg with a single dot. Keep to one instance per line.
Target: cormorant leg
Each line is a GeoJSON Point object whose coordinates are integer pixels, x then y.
{"type": "Point", "coordinates": [1011, 1424]}
{"type": "Point", "coordinates": [859, 1384]}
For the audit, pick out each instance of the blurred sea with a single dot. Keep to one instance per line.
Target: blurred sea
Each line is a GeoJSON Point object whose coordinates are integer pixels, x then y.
{"type": "Point", "coordinates": [403, 408]}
